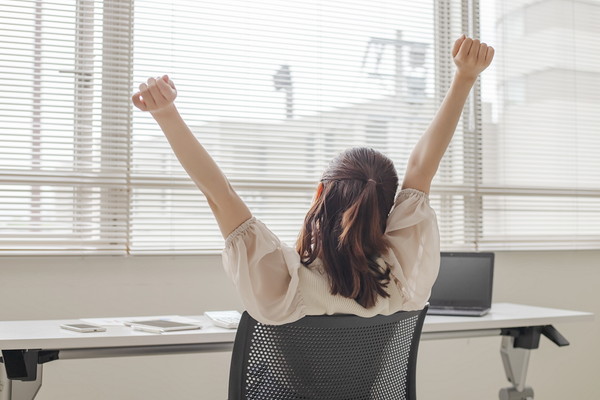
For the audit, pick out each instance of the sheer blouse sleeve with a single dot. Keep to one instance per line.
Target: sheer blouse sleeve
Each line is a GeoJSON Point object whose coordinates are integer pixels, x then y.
{"type": "Point", "coordinates": [265, 273]}
{"type": "Point", "coordinates": [414, 255]}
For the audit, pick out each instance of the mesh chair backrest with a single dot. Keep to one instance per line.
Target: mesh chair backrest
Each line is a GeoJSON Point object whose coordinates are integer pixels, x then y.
{"type": "Point", "coordinates": [327, 357]}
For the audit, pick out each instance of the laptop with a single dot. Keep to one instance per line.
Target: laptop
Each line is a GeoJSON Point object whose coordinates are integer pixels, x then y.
{"type": "Point", "coordinates": [464, 285]}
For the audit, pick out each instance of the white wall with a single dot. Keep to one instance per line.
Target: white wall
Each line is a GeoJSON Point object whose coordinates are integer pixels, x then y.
{"type": "Point", "coordinates": [76, 287]}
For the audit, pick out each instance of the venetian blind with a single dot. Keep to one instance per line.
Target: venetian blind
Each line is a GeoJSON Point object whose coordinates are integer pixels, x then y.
{"type": "Point", "coordinates": [541, 126]}
{"type": "Point", "coordinates": [274, 90]}
{"type": "Point", "coordinates": [64, 131]}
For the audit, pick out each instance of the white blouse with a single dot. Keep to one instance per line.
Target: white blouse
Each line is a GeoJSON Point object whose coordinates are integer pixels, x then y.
{"type": "Point", "coordinates": [276, 288]}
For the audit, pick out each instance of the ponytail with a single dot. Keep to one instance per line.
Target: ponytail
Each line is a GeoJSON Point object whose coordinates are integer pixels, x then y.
{"type": "Point", "coordinates": [354, 217]}
{"type": "Point", "coordinates": [345, 226]}
{"type": "Point", "coordinates": [362, 240]}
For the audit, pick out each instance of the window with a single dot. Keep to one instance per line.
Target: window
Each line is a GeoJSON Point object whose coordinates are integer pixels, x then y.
{"type": "Point", "coordinates": [63, 143]}
{"type": "Point", "coordinates": [274, 91]}
{"type": "Point", "coordinates": [541, 189]}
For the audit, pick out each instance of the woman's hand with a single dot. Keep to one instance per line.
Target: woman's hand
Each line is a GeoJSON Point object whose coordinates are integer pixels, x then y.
{"type": "Point", "coordinates": [471, 57]}
{"type": "Point", "coordinates": [155, 95]}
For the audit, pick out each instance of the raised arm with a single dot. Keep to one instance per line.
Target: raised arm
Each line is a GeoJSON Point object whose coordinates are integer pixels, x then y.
{"type": "Point", "coordinates": [157, 96]}
{"type": "Point", "coordinates": [471, 58]}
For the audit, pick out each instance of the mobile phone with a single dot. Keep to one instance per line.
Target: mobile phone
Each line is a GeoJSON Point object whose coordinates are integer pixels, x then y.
{"type": "Point", "coordinates": [83, 328]}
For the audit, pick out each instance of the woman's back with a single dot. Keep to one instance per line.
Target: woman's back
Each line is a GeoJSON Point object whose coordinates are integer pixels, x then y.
{"type": "Point", "coordinates": [277, 288]}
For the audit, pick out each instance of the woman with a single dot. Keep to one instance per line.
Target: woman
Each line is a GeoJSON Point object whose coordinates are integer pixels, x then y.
{"type": "Point", "coordinates": [354, 255]}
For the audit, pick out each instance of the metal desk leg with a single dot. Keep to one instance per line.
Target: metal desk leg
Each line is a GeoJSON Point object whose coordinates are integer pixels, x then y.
{"type": "Point", "coordinates": [19, 390]}
{"type": "Point", "coordinates": [21, 372]}
{"type": "Point", "coordinates": [5, 384]}
{"type": "Point", "coordinates": [516, 361]}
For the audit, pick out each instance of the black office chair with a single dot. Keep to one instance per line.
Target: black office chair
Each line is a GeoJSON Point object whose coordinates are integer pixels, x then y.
{"type": "Point", "coordinates": [327, 357]}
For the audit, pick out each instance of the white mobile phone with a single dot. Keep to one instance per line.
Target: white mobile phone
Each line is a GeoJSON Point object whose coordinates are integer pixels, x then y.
{"type": "Point", "coordinates": [83, 328]}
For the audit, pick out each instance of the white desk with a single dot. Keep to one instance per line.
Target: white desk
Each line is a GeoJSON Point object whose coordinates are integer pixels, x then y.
{"type": "Point", "coordinates": [29, 344]}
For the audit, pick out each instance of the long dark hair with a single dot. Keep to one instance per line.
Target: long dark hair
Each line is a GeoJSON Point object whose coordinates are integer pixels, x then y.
{"type": "Point", "coordinates": [346, 224]}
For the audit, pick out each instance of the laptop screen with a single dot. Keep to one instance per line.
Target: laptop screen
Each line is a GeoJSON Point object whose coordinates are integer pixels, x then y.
{"type": "Point", "coordinates": [464, 280]}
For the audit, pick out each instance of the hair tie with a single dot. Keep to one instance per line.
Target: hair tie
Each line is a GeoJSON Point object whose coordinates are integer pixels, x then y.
{"type": "Point", "coordinates": [372, 180]}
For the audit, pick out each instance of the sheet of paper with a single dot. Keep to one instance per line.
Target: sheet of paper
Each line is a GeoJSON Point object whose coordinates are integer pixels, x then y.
{"type": "Point", "coordinates": [124, 321]}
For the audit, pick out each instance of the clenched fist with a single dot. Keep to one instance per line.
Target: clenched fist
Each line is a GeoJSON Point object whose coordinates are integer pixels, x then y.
{"type": "Point", "coordinates": [155, 94]}
{"type": "Point", "coordinates": [471, 56]}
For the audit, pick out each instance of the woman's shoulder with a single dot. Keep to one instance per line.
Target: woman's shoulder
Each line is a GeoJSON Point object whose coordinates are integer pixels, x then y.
{"type": "Point", "coordinates": [414, 195]}
{"type": "Point", "coordinates": [410, 209]}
